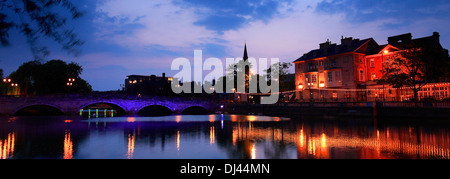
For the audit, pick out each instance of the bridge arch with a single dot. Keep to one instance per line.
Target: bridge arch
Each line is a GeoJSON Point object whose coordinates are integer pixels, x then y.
{"type": "Point", "coordinates": [195, 110]}
{"type": "Point", "coordinates": [155, 110]}
{"type": "Point", "coordinates": [119, 110]}
{"type": "Point", "coordinates": [38, 110]}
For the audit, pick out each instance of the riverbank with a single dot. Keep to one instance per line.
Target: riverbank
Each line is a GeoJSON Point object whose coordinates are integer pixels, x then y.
{"type": "Point", "coordinates": [340, 110]}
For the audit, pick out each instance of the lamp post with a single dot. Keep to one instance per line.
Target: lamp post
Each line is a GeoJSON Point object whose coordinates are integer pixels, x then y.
{"type": "Point", "coordinates": [382, 66]}
{"type": "Point", "coordinates": [6, 81]}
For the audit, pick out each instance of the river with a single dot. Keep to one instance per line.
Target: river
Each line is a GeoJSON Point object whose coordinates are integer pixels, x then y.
{"type": "Point", "coordinates": [218, 137]}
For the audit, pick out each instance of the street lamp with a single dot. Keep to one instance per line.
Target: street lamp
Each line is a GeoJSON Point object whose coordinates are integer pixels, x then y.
{"type": "Point", "coordinates": [70, 81]}
{"type": "Point", "coordinates": [6, 81]}
{"type": "Point", "coordinates": [382, 66]}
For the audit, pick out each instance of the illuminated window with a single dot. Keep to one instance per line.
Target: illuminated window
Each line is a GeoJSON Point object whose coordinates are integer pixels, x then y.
{"type": "Point", "coordinates": [314, 78]}
{"type": "Point", "coordinates": [335, 95]}
{"type": "Point", "coordinates": [372, 63]}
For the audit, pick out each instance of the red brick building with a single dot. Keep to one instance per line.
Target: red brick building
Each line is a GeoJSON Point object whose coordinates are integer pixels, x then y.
{"type": "Point", "coordinates": [347, 72]}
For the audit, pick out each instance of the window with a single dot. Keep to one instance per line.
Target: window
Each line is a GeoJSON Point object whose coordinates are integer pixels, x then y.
{"type": "Point", "coordinates": [307, 77]}
{"type": "Point", "coordinates": [314, 78]}
{"type": "Point", "coordinates": [361, 75]}
{"type": "Point", "coordinates": [311, 66]}
{"type": "Point", "coordinates": [330, 76]}
{"type": "Point", "coordinates": [338, 76]}
{"type": "Point", "coordinates": [335, 95]}
{"type": "Point", "coordinates": [372, 63]}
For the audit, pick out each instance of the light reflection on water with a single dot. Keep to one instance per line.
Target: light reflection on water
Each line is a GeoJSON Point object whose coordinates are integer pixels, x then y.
{"type": "Point", "coordinates": [216, 137]}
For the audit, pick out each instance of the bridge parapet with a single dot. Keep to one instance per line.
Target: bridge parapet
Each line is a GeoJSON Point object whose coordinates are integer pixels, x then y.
{"type": "Point", "coordinates": [71, 104]}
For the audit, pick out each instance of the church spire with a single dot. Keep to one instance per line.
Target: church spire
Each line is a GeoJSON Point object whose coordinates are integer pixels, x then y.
{"type": "Point", "coordinates": [245, 52]}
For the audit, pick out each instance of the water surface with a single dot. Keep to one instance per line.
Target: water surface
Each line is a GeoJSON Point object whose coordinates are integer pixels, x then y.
{"type": "Point", "coordinates": [217, 137]}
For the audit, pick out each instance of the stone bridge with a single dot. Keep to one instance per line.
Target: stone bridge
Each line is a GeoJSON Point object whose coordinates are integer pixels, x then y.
{"type": "Point", "coordinates": [72, 104]}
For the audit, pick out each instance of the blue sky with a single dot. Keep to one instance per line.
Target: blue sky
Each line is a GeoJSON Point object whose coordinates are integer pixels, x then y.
{"type": "Point", "coordinates": [124, 37]}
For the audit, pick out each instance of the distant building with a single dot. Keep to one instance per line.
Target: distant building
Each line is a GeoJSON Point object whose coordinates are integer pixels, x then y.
{"type": "Point", "coordinates": [347, 72]}
{"type": "Point", "coordinates": [148, 85]}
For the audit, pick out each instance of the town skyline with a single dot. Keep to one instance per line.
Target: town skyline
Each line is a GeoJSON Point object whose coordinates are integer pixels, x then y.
{"type": "Point", "coordinates": [124, 38]}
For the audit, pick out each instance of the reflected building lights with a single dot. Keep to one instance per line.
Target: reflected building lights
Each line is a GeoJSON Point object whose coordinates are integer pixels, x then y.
{"type": "Point", "coordinates": [178, 141]}
{"type": "Point", "coordinates": [7, 146]}
{"type": "Point", "coordinates": [68, 146]}
{"type": "Point", "coordinates": [212, 135]}
{"type": "Point", "coordinates": [131, 140]}
{"type": "Point", "coordinates": [253, 151]}
{"type": "Point", "coordinates": [382, 144]}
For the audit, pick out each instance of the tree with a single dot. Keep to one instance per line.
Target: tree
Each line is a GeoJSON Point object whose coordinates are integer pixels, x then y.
{"type": "Point", "coordinates": [281, 70]}
{"type": "Point", "coordinates": [414, 67]}
{"type": "Point", "coordinates": [39, 18]}
{"type": "Point", "coordinates": [233, 71]}
{"type": "Point", "coordinates": [49, 78]}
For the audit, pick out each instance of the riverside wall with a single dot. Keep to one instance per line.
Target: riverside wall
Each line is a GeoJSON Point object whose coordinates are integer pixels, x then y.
{"type": "Point", "coordinates": [341, 110]}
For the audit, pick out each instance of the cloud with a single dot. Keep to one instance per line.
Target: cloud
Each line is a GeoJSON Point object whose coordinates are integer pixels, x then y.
{"type": "Point", "coordinates": [158, 31]}
{"type": "Point", "coordinates": [359, 11]}
{"type": "Point", "coordinates": [144, 23]}
{"type": "Point", "coordinates": [292, 33]}
{"type": "Point", "coordinates": [300, 26]}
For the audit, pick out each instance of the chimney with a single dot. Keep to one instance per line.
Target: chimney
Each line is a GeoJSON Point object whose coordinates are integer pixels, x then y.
{"type": "Point", "coordinates": [348, 41]}
{"type": "Point", "coordinates": [400, 38]}
{"type": "Point", "coordinates": [164, 75]}
{"type": "Point", "coordinates": [437, 36]}
{"type": "Point", "coordinates": [325, 44]}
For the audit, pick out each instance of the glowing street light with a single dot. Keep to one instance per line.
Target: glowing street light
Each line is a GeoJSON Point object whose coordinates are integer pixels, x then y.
{"type": "Point", "coordinates": [321, 84]}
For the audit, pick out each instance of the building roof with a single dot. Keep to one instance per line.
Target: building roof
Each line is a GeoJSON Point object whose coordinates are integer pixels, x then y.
{"type": "Point", "coordinates": [405, 41]}
{"type": "Point", "coordinates": [328, 49]}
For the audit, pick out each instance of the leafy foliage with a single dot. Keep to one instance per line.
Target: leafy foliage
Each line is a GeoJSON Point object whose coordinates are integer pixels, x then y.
{"type": "Point", "coordinates": [415, 67]}
{"type": "Point", "coordinates": [51, 77]}
{"type": "Point", "coordinates": [39, 18]}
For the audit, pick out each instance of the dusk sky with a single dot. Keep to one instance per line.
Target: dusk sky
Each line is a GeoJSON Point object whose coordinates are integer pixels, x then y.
{"type": "Point", "coordinates": [124, 37]}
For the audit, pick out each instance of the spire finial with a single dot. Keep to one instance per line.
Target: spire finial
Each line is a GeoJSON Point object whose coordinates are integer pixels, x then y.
{"type": "Point", "coordinates": [245, 52]}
